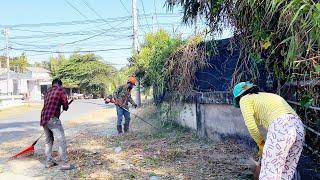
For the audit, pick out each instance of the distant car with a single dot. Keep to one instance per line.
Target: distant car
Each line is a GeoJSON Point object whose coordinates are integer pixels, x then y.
{"type": "Point", "coordinates": [88, 96]}
{"type": "Point", "coordinates": [78, 96]}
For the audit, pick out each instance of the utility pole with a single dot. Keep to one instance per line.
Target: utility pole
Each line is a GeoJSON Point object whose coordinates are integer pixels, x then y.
{"type": "Point", "coordinates": [195, 25]}
{"type": "Point", "coordinates": [6, 35]}
{"type": "Point", "coordinates": [153, 25]}
{"type": "Point", "coordinates": [136, 44]}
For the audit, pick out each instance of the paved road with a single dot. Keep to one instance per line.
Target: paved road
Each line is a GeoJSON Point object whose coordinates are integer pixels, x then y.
{"type": "Point", "coordinates": [28, 123]}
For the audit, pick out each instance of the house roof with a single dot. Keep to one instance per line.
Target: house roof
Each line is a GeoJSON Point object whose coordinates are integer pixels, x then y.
{"type": "Point", "coordinates": [38, 70]}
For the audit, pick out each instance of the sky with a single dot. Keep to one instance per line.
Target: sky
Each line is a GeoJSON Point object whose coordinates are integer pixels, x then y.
{"type": "Point", "coordinates": [41, 28]}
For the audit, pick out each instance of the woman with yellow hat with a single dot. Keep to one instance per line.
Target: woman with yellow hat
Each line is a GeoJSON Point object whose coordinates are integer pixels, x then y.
{"type": "Point", "coordinates": [282, 148]}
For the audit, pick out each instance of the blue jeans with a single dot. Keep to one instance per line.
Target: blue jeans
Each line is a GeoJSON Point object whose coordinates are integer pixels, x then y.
{"type": "Point", "coordinates": [120, 113]}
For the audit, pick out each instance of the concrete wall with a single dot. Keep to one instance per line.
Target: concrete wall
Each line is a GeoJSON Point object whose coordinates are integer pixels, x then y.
{"type": "Point", "coordinates": [10, 101]}
{"type": "Point", "coordinates": [223, 121]}
{"type": "Point", "coordinates": [23, 86]}
{"type": "Point", "coordinates": [216, 121]}
{"type": "Point", "coordinates": [187, 115]}
{"type": "Point", "coordinates": [3, 86]}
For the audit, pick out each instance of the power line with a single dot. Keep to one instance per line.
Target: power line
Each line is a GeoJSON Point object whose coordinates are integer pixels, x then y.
{"type": "Point", "coordinates": [155, 11]}
{"type": "Point", "coordinates": [93, 10]}
{"type": "Point", "coordinates": [72, 32]}
{"type": "Point", "coordinates": [66, 23]}
{"type": "Point", "coordinates": [144, 13]}
{"type": "Point", "coordinates": [141, 25]}
{"type": "Point", "coordinates": [81, 51]}
{"type": "Point", "coordinates": [46, 46]}
{"type": "Point", "coordinates": [76, 9]}
{"type": "Point", "coordinates": [66, 34]}
{"type": "Point", "coordinates": [27, 30]}
{"type": "Point", "coordinates": [81, 40]}
{"type": "Point", "coordinates": [39, 54]}
{"type": "Point", "coordinates": [85, 38]}
{"type": "Point", "coordinates": [78, 33]}
{"type": "Point", "coordinates": [57, 35]}
{"type": "Point", "coordinates": [125, 7]}
{"type": "Point", "coordinates": [81, 13]}
{"type": "Point", "coordinates": [83, 22]}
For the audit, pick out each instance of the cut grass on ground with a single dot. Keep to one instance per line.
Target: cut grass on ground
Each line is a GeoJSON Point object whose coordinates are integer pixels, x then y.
{"type": "Point", "coordinates": [172, 153]}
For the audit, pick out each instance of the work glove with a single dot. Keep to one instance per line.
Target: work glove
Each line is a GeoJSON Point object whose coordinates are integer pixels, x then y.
{"type": "Point", "coordinates": [260, 146]}
{"type": "Point", "coordinates": [106, 100]}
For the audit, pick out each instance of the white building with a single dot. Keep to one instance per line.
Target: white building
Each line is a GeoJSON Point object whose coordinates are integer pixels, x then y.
{"type": "Point", "coordinates": [29, 86]}
{"type": "Point", "coordinates": [38, 83]}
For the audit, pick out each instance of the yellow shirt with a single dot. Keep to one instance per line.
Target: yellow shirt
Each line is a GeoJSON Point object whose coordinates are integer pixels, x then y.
{"type": "Point", "coordinates": [262, 109]}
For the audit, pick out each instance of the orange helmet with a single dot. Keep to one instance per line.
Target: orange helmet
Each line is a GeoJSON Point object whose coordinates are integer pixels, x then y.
{"type": "Point", "coordinates": [132, 80]}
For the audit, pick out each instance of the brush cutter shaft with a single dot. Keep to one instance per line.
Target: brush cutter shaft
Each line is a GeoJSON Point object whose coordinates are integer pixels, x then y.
{"type": "Point", "coordinates": [139, 118]}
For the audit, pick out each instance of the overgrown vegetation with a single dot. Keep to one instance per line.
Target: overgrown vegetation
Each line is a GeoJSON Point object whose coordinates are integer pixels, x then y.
{"type": "Point", "coordinates": [275, 32]}
{"type": "Point", "coordinates": [168, 64]}
{"type": "Point", "coordinates": [284, 36]}
{"type": "Point", "coordinates": [149, 63]}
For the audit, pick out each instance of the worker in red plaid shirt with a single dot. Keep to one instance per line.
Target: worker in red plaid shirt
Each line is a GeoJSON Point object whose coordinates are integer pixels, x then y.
{"type": "Point", "coordinates": [53, 100]}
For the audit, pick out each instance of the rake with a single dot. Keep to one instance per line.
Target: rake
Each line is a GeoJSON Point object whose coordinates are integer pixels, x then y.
{"type": "Point", "coordinates": [30, 149]}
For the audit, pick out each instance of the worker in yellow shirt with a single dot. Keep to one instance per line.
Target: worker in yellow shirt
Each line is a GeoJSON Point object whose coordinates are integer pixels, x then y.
{"type": "Point", "coordinates": [282, 148]}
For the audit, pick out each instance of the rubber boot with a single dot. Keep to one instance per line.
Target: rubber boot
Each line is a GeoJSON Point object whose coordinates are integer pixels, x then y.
{"type": "Point", "coordinates": [119, 128]}
{"type": "Point", "coordinates": [126, 128]}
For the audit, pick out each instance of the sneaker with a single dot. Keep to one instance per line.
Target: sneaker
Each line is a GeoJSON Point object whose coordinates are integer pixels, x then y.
{"type": "Point", "coordinates": [67, 167]}
{"type": "Point", "coordinates": [51, 164]}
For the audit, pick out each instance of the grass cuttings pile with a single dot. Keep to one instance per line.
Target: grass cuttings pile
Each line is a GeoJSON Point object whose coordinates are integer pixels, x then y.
{"type": "Point", "coordinates": [183, 64]}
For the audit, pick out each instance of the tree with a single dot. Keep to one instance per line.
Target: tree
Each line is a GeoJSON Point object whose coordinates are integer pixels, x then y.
{"type": "Point", "coordinates": [276, 33]}
{"type": "Point", "coordinates": [55, 63]}
{"type": "Point", "coordinates": [19, 64]}
{"type": "Point", "coordinates": [87, 71]}
{"type": "Point", "coordinates": [42, 64]}
{"type": "Point", "coordinates": [3, 61]}
{"type": "Point", "coordinates": [149, 63]}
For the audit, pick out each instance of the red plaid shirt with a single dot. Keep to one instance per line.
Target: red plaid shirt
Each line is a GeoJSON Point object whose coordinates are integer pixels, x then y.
{"type": "Point", "coordinates": [53, 100]}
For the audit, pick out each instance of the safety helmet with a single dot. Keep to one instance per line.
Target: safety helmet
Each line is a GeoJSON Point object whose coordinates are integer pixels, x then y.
{"type": "Point", "coordinates": [132, 80]}
{"type": "Point", "coordinates": [239, 89]}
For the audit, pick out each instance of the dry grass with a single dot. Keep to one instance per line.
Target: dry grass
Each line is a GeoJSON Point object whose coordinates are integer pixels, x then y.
{"type": "Point", "coordinates": [172, 153]}
{"type": "Point", "coordinates": [19, 110]}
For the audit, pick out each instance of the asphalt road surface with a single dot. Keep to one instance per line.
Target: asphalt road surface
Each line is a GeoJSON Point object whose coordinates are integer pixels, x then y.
{"type": "Point", "coordinates": [29, 123]}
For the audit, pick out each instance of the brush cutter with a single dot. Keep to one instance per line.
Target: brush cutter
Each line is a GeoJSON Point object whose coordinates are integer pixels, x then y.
{"type": "Point", "coordinates": [111, 100]}
{"type": "Point", "coordinates": [30, 150]}
{"type": "Point", "coordinates": [140, 118]}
